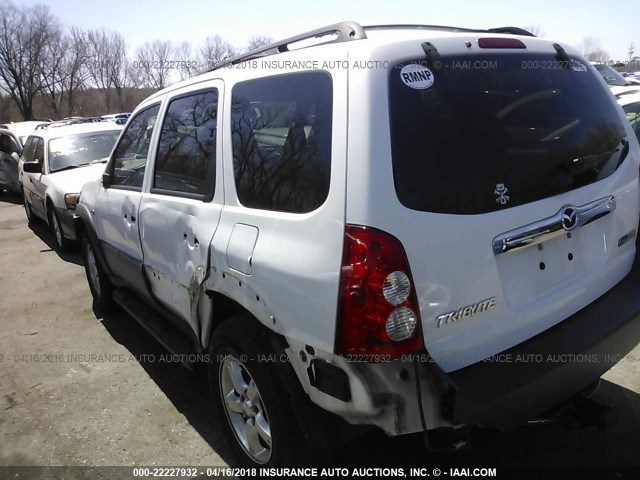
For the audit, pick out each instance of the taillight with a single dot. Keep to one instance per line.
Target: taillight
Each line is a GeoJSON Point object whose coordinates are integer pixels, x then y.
{"type": "Point", "coordinates": [378, 308]}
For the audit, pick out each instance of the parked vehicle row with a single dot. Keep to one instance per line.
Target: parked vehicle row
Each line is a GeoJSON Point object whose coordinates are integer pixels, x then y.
{"type": "Point", "coordinates": [119, 118]}
{"type": "Point", "coordinates": [13, 137]}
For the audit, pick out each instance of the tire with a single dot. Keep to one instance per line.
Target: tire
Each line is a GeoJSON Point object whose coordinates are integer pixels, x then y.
{"type": "Point", "coordinates": [99, 283]}
{"type": "Point", "coordinates": [64, 245]}
{"type": "Point", "coordinates": [257, 417]}
{"type": "Point", "coordinates": [28, 211]}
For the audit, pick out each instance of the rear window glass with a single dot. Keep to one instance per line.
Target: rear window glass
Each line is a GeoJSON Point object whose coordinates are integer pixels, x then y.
{"type": "Point", "coordinates": [494, 132]}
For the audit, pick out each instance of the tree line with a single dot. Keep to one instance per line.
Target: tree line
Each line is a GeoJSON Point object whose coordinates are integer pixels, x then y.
{"type": "Point", "coordinates": [51, 70]}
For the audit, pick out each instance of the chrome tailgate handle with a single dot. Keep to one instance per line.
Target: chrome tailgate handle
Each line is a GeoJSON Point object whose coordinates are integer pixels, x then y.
{"type": "Point", "coordinates": [568, 218]}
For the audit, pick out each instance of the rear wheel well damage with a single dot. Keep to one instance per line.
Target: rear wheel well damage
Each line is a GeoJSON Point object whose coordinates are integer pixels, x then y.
{"type": "Point", "coordinates": [221, 309]}
{"type": "Point", "coordinates": [320, 428]}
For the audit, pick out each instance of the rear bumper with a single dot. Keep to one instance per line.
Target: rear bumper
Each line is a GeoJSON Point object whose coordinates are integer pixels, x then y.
{"type": "Point", "coordinates": [522, 383]}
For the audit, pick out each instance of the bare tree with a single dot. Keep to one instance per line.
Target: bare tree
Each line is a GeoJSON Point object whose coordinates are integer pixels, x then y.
{"type": "Point", "coordinates": [53, 70]}
{"type": "Point", "coordinates": [257, 41]}
{"type": "Point", "coordinates": [214, 52]}
{"type": "Point", "coordinates": [107, 65]}
{"type": "Point", "coordinates": [591, 48]}
{"type": "Point", "coordinates": [189, 64]}
{"type": "Point", "coordinates": [153, 61]}
{"type": "Point", "coordinates": [24, 35]}
{"type": "Point", "coordinates": [76, 59]}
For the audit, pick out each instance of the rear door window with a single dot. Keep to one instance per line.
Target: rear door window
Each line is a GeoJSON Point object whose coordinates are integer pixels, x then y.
{"type": "Point", "coordinates": [281, 133]}
{"type": "Point", "coordinates": [500, 131]}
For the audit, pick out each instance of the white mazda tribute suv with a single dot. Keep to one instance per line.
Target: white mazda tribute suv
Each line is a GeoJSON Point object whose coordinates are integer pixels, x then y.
{"type": "Point", "coordinates": [408, 227]}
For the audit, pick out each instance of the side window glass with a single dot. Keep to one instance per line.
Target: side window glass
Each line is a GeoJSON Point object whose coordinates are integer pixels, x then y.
{"type": "Point", "coordinates": [8, 144]}
{"type": "Point", "coordinates": [13, 145]}
{"type": "Point", "coordinates": [281, 134]}
{"type": "Point", "coordinates": [186, 151]}
{"type": "Point", "coordinates": [39, 154]}
{"type": "Point", "coordinates": [130, 156]}
{"type": "Point", "coordinates": [29, 149]}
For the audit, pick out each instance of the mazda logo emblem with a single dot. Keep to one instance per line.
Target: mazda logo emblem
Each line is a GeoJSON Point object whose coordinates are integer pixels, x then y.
{"type": "Point", "coordinates": [569, 218]}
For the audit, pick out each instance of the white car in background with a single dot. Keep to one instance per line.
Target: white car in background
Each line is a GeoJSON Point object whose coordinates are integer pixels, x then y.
{"type": "Point", "coordinates": [23, 129]}
{"type": "Point", "coordinates": [618, 84]}
{"type": "Point", "coordinates": [631, 106]}
{"type": "Point", "coordinates": [10, 150]}
{"type": "Point", "coordinates": [119, 118]}
{"type": "Point", "coordinates": [12, 137]}
{"type": "Point", "coordinates": [56, 162]}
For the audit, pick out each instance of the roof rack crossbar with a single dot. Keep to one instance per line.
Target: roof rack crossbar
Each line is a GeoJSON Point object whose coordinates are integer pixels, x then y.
{"type": "Point", "coordinates": [402, 26]}
{"type": "Point", "coordinates": [511, 30]}
{"type": "Point", "coordinates": [346, 31]}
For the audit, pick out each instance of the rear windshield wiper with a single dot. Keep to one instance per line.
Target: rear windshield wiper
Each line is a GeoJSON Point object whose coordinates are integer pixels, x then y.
{"type": "Point", "coordinates": [597, 158]}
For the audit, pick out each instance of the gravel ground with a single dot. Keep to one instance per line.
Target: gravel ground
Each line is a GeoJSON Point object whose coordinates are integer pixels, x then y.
{"type": "Point", "coordinates": [61, 406]}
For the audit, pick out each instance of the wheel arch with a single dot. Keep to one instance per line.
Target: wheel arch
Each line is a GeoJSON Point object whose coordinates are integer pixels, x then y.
{"type": "Point", "coordinates": [84, 226]}
{"type": "Point", "coordinates": [222, 308]}
{"type": "Point", "coordinates": [319, 427]}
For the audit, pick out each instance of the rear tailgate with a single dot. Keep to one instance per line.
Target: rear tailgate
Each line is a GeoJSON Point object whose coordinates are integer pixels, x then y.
{"type": "Point", "coordinates": [515, 180]}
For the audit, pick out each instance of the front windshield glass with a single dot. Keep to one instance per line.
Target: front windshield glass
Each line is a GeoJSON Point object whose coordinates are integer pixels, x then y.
{"type": "Point", "coordinates": [80, 149]}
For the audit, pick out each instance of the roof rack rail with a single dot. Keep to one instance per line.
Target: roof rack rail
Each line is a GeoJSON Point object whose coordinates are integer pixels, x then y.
{"type": "Point", "coordinates": [68, 121]}
{"type": "Point", "coordinates": [512, 30]}
{"type": "Point", "coordinates": [408, 26]}
{"type": "Point", "coordinates": [346, 31]}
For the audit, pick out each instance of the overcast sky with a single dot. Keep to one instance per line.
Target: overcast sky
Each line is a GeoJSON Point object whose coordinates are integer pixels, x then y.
{"type": "Point", "coordinates": [616, 24]}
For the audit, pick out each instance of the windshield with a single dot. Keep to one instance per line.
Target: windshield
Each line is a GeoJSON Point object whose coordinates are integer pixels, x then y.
{"type": "Point", "coordinates": [611, 76]}
{"type": "Point", "coordinates": [80, 149]}
{"type": "Point", "coordinates": [477, 140]}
